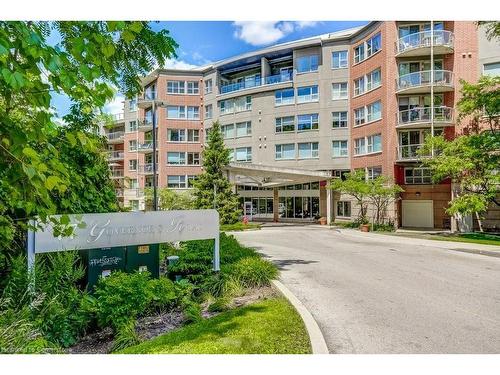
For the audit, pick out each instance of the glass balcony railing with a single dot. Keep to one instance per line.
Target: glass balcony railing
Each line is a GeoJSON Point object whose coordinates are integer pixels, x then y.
{"type": "Point", "coordinates": [146, 146]}
{"type": "Point", "coordinates": [118, 117]}
{"type": "Point", "coordinates": [115, 136]}
{"type": "Point", "coordinates": [119, 193]}
{"type": "Point", "coordinates": [145, 124]}
{"type": "Point", "coordinates": [423, 78]}
{"type": "Point", "coordinates": [442, 38]}
{"type": "Point", "coordinates": [116, 173]}
{"type": "Point", "coordinates": [146, 96]}
{"type": "Point", "coordinates": [423, 115]}
{"type": "Point", "coordinates": [146, 168]}
{"type": "Point", "coordinates": [255, 82]}
{"type": "Point", "coordinates": [409, 152]}
{"type": "Point", "coordinates": [115, 155]}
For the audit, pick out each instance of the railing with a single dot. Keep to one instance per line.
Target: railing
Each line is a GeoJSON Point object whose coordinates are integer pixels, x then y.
{"type": "Point", "coordinates": [423, 115]}
{"type": "Point", "coordinates": [147, 95]}
{"type": "Point", "coordinates": [423, 78]}
{"type": "Point", "coordinates": [146, 168]}
{"type": "Point", "coordinates": [423, 39]}
{"type": "Point", "coordinates": [118, 117]}
{"type": "Point", "coordinates": [145, 146]}
{"type": "Point", "coordinates": [119, 193]}
{"type": "Point", "coordinates": [115, 136]}
{"type": "Point", "coordinates": [145, 123]}
{"type": "Point", "coordinates": [409, 152]}
{"type": "Point", "coordinates": [115, 155]}
{"type": "Point", "coordinates": [257, 81]}
{"type": "Point", "coordinates": [139, 193]}
{"type": "Point", "coordinates": [117, 173]}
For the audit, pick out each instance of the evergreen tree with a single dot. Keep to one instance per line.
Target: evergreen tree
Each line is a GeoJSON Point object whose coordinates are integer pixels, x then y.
{"type": "Point", "coordinates": [212, 188]}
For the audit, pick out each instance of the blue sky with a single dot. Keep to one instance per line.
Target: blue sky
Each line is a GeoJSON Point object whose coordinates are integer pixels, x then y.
{"type": "Point", "coordinates": [202, 42]}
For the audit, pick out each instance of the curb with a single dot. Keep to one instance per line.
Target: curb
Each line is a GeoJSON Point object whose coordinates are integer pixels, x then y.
{"type": "Point", "coordinates": [318, 343]}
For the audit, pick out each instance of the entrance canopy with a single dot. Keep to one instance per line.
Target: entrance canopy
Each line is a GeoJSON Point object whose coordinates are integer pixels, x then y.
{"type": "Point", "coordinates": [271, 176]}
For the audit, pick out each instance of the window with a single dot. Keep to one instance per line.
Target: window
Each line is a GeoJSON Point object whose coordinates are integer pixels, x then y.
{"type": "Point", "coordinates": [132, 126]}
{"type": "Point", "coordinates": [241, 104]}
{"type": "Point", "coordinates": [285, 124]}
{"type": "Point", "coordinates": [373, 172]}
{"type": "Point", "coordinates": [373, 45]}
{"type": "Point", "coordinates": [176, 112]}
{"type": "Point", "coordinates": [190, 180]}
{"type": "Point", "coordinates": [307, 94]}
{"type": "Point", "coordinates": [193, 158]}
{"type": "Point", "coordinates": [359, 146]}
{"type": "Point", "coordinates": [307, 63]}
{"type": "Point", "coordinates": [208, 111]}
{"type": "Point", "coordinates": [374, 143]}
{"type": "Point", "coordinates": [341, 173]}
{"type": "Point", "coordinates": [359, 53]}
{"type": "Point", "coordinates": [243, 129]}
{"type": "Point", "coordinates": [339, 120]}
{"type": "Point", "coordinates": [176, 182]}
{"type": "Point", "coordinates": [308, 150]}
{"type": "Point", "coordinates": [343, 209]}
{"type": "Point", "coordinates": [226, 106]}
{"type": "Point", "coordinates": [132, 105]}
{"type": "Point", "coordinates": [244, 154]}
{"type": "Point", "coordinates": [418, 176]}
{"type": "Point", "coordinates": [359, 86]}
{"type": "Point", "coordinates": [307, 122]}
{"type": "Point", "coordinates": [227, 131]}
{"type": "Point", "coordinates": [193, 113]}
{"type": "Point", "coordinates": [373, 80]}
{"type": "Point", "coordinates": [492, 70]}
{"type": "Point", "coordinates": [132, 165]}
{"type": "Point", "coordinates": [132, 145]}
{"type": "Point", "coordinates": [193, 135]}
{"type": "Point", "coordinates": [208, 86]}
{"type": "Point", "coordinates": [133, 183]}
{"type": "Point", "coordinates": [285, 151]}
{"type": "Point", "coordinates": [193, 87]}
{"type": "Point", "coordinates": [374, 111]}
{"type": "Point", "coordinates": [176, 158]}
{"type": "Point", "coordinates": [339, 59]}
{"type": "Point", "coordinates": [359, 116]}
{"type": "Point", "coordinates": [340, 149]}
{"type": "Point", "coordinates": [175, 87]}
{"type": "Point", "coordinates": [339, 90]}
{"type": "Point", "coordinates": [176, 135]}
{"type": "Point", "coordinates": [283, 97]}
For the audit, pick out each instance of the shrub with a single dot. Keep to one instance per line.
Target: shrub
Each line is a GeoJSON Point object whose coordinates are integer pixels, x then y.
{"type": "Point", "coordinates": [383, 227]}
{"type": "Point", "coordinates": [192, 312]}
{"type": "Point", "coordinates": [220, 304]}
{"type": "Point", "coordinates": [121, 297]}
{"type": "Point", "coordinates": [126, 336]}
{"type": "Point", "coordinates": [254, 272]}
{"type": "Point", "coordinates": [164, 294]}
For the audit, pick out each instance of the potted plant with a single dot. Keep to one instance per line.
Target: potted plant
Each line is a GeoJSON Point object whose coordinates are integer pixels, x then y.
{"type": "Point", "coordinates": [322, 220]}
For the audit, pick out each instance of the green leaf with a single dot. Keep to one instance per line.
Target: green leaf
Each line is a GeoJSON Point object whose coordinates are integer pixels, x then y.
{"type": "Point", "coordinates": [29, 152]}
{"type": "Point", "coordinates": [29, 170]}
{"type": "Point", "coordinates": [136, 27]}
{"type": "Point", "coordinates": [51, 182]}
{"type": "Point", "coordinates": [128, 36]}
{"type": "Point", "coordinates": [108, 49]}
{"type": "Point", "coordinates": [65, 220]}
{"type": "Point", "coordinates": [3, 49]}
{"type": "Point", "coordinates": [71, 139]}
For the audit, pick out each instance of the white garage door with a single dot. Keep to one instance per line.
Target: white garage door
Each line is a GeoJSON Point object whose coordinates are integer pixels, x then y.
{"type": "Point", "coordinates": [418, 214]}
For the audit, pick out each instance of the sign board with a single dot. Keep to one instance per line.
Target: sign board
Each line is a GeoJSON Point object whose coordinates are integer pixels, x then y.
{"type": "Point", "coordinates": [129, 228]}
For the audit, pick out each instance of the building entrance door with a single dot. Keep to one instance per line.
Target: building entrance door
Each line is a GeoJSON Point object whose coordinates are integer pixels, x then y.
{"type": "Point", "coordinates": [248, 210]}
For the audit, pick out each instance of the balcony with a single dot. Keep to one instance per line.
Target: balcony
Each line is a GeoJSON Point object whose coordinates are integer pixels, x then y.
{"type": "Point", "coordinates": [419, 44]}
{"type": "Point", "coordinates": [119, 117]}
{"type": "Point", "coordinates": [145, 125]}
{"type": "Point", "coordinates": [145, 147]}
{"type": "Point", "coordinates": [115, 155]}
{"type": "Point", "coordinates": [409, 153]}
{"type": "Point", "coordinates": [115, 137]}
{"type": "Point", "coordinates": [420, 82]}
{"type": "Point", "coordinates": [146, 169]}
{"type": "Point", "coordinates": [256, 82]}
{"type": "Point", "coordinates": [416, 117]}
{"type": "Point", "coordinates": [116, 173]}
{"type": "Point", "coordinates": [146, 99]}
{"type": "Point", "coordinates": [119, 192]}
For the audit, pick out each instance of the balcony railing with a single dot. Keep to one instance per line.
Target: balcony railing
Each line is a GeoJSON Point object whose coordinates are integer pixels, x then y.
{"type": "Point", "coordinates": [147, 146]}
{"type": "Point", "coordinates": [423, 78]}
{"type": "Point", "coordinates": [409, 152]}
{"type": "Point", "coordinates": [147, 95]}
{"type": "Point", "coordinates": [115, 155]}
{"type": "Point", "coordinates": [118, 117]}
{"type": "Point", "coordinates": [116, 173]}
{"type": "Point", "coordinates": [442, 38]}
{"type": "Point", "coordinates": [119, 192]}
{"type": "Point", "coordinates": [423, 115]}
{"type": "Point", "coordinates": [115, 136]}
{"type": "Point", "coordinates": [145, 124]}
{"type": "Point", "coordinates": [257, 81]}
{"type": "Point", "coordinates": [146, 168]}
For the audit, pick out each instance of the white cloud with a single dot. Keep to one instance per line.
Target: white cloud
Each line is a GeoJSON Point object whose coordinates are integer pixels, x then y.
{"type": "Point", "coordinates": [260, 33]}
{"type": "Point", "coordinates": [178, 64]}
{"type": "Point", "coordinates": [116, 105]}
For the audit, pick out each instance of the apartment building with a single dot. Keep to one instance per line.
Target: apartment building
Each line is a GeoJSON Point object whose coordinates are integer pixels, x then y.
{"type": "Point", "coordinates": [297, 114]}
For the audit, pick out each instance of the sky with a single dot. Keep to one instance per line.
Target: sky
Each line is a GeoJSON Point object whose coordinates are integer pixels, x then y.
{"type": "Point", "coordinates": [203, 42]}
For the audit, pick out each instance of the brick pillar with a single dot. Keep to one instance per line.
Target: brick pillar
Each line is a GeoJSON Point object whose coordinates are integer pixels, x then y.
{"type": "Point", "coordinates": [276, 205]}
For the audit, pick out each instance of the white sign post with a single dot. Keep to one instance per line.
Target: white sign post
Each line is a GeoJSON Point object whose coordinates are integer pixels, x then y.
{"type": "Point", "coordinates": [128, 229]}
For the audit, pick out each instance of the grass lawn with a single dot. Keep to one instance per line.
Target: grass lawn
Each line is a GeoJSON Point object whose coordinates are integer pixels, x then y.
{"type": "Point", "coordinates": [480, 238]}
{"type": "Point", "coordinates": [239, 226]}
{"type": "Point", "coordinates": [268, 327]}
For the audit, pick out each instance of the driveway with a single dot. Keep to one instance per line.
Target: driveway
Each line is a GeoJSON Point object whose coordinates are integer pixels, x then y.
{"type": "Point", "coordinates": [379, 294]}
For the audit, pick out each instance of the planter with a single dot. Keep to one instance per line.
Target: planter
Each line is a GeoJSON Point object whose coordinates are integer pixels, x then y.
{"type": "Point", "coordinates": [322, 220]}
{"type": "Point", "coordinates": [365, 227]}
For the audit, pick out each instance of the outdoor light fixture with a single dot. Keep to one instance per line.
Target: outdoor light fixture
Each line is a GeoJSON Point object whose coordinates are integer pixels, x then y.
{"type": "Point", "coordinates": [417, 194]}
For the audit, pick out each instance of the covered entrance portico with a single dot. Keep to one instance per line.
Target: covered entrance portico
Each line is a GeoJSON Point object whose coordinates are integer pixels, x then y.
{"type": "Point", "coordinates": [280, 193]}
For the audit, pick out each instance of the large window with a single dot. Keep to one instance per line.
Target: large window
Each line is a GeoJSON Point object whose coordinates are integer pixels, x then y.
{"type": "Point", "coordinates": [492, 69]}
{"type": "Point", "coordinates": [340, 149]}
{"type": "Point", "coordinates": [176, 135]}
{"type": "Point", "coordinates": [308, 150]}
{"type": "Point", "coordinates": [193, 113]}
{"type": "Point", "coordinates": [243, 154]}
{"type": "Point", "coordinates": [132, 165]}
{"type": "Point", "coordinates": [132, 105]}
{"type": "Point", "coordinates": [418, 176]}
{"type": "Point", "coordinates": [176, 112]}
{"type": "Point", "coordinates": [285, 152]}
{"type": "Point", "coordinates": [307, 94]}
{"type": "Point", "coordinates": [243, 129]}
{"type": "Point", "coordinates": [359, 53]}
{"type": "Point", "coordinates": [359, 86]}
{"type": "Point", "coordinates": [374, 111]}
{"type": "Point", "coordinates": [227, 131]}
{"type": "Point", "coordinates": [283, 97]}
{"type": "Point", "coordinates": [374, 143]}
{"type": "Point", "coordinates": [176, 182]}
{"type": "Point", "coordinates": [132, 126]}
{"type": "Point", "coordinates": [307, 63]}
{"type": "Point", "coordinates": [359, 146]}
{"type": "Point", "coordinates": [359, 116]}
{"type": "Point", "coordinates": [373, 172]}
{"type": "Point", "coordinates": [339, 90]}
{"type": "Point", "coordinates": [193, 87]}
{"type": "Point", "coordinates": [193, 158]}
{"type": "Point", "coordinates": [193, 135]}
{"type": "Point", "coordinates": [343, 209]}
{"type": "Point", "coordinates": [368, 82]}
{"type": "Point", "coordinates": [132, 145]}
{"type": "Point", "coordinates": [285, 124]}
{"type": "Point", "coordinates": [307, 122]}
{"type": "Point", "coordinates": [176, 87]}
{"type": "Point", "coordinates": [208, 86]}
{"type": "Point", "coordinates": [176, 158]}
{"type": "Point", "coordinates": [368, 48]}
{"type": "Point", "coordinates": [339, 59]}
{"type": "Point", "coordinates": [240, 104]}
{"type": "Point", "coordinates": [208, 111]}
{"type": "Point", "coordinates": [339, 120]}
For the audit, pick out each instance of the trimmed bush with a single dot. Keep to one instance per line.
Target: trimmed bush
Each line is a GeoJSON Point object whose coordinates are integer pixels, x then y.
{"type": "Point", "coordinates": [254, 272]}
{"type": "Point", "coordinates": [125, 337]}
{"type": "Point", "coordinates": [164, 294]}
